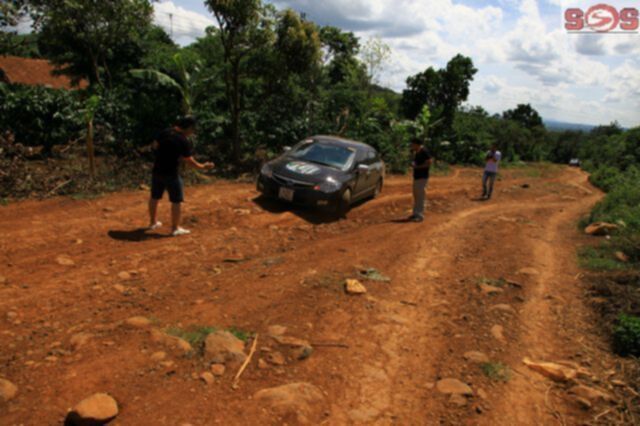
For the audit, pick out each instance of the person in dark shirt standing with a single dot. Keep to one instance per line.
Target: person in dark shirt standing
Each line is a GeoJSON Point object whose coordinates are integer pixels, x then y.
{"type": "Point", "coordinates": [171, 147]}
{"type": "Point", "coordinates": [420, 165]}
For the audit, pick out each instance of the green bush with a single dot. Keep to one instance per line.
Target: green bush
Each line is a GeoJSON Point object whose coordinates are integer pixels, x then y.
{"type": "Point", "coordinates": [626, 335]}
{"type": "Point", "coordinates": [39, 116]}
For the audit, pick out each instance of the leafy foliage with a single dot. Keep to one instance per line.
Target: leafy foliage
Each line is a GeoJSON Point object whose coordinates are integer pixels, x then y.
{"type": "Point", "coordinates": [94, 40]}
{"type": "Point", "coordinates": [626, 336]}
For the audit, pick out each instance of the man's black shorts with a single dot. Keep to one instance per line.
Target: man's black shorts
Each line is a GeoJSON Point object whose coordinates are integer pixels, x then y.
{"type": "Point", "coordinates": [172, 184]}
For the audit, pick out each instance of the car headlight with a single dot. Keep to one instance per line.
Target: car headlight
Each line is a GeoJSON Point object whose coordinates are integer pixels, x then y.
{"type": "Point", "coordinates": [267, 171]}
{"type": "Point", "coordinates": [329, 185]}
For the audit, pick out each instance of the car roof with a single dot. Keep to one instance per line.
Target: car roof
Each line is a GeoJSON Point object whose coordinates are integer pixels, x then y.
{"type": "Point", "coordinates": [342, 141]}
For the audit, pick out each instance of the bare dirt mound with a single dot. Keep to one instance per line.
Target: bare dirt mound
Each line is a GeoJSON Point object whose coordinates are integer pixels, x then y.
{"type": "Point", "coordinates": [89, 303]}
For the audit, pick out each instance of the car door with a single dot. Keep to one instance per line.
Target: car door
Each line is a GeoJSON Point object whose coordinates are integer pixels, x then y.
{"type": "Point", "coordinates": [375, 169]}
{"type": "Point", "coordinates": [361, 177]}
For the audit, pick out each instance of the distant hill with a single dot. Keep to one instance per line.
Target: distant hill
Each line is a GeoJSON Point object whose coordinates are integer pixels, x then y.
{"type": "Point", "coordinates": [561, 125]}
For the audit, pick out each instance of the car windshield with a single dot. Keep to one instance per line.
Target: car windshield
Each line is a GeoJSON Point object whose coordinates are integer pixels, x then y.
{"type": "Point", "coordinates": [324, 154]}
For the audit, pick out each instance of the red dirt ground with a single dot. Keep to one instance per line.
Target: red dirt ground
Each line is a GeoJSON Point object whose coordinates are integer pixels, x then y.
{"type": "Point", "coordinates": [251, 264]}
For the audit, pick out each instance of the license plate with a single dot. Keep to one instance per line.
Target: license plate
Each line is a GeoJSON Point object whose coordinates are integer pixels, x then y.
{"type": "Point", "coordinates": [286, 194]}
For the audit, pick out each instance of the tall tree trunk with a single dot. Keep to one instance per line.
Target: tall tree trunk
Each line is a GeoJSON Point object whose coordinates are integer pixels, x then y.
{"type": "Point", "coordinates": [91, 150]}
{"type": "Point", "coordinates": [235, 111]}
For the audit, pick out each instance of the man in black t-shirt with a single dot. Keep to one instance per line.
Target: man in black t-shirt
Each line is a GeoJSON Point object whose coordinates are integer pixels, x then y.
{"type": "Point", "coordinates": [171, 147]}
{"type": "Point", "coordinates": [420, 165]}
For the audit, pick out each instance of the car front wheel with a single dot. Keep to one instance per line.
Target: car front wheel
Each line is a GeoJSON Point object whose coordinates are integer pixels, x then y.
{"type": "Point", "coordinates": [343, 204]}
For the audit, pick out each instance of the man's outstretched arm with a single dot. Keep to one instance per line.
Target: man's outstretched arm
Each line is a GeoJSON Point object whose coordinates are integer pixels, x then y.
{"type": "Point", "coordinates": [192, 162]}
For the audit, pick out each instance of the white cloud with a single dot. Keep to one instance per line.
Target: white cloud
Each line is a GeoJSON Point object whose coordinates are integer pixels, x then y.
{"type": "Point", "coordinates": [185, 24]}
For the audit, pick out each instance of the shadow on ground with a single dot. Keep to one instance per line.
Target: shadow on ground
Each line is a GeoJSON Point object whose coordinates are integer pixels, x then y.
{"type": "Point", "coordinates": [135, 235]}
{"type": "Point", "coordinates": [314, 216]}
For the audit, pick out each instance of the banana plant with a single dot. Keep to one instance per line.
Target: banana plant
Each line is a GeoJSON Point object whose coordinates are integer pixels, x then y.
{"type": "Point", "coordinates": [188, 85]}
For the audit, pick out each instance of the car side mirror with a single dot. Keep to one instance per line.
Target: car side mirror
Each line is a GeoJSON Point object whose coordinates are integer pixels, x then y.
{"type": "Point", "coordinates": [286, 149]}
{"type": "Point", "coordinates": [363, 168]}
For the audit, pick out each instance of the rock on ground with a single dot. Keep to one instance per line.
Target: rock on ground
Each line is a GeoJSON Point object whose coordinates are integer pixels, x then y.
{"type": "Point", "coordinates": [171, 341]}
{"type": "Point", "coordinates": [600, 228]}
{"type": "Point", "coordinates": [355, 287]}
{"type": "Point", "coordinates": [79, 340]}
{"type": "Point", "coordinates": [298, 402]}
{"type": "Point", "coordinates": [99, 408]}
{"type": "Point", "coordinates": [138, 322]}
{"type": "Point", "coordinates": [222, 346]}
{"type": "Point", "coordinates": [218, 369]}
{"type": "Point", "coordinates": [497, 331]}
{"type": "Point", "coordinates": [556, 372]}
{"type": "Point", "coordinates": [488, 290]}
{"type": "Point", "coordinates": [8, 390]}
{"type": "Point", "coordinates": [453, 387]}
{"type": "Point", "coordinates": [477, 357]}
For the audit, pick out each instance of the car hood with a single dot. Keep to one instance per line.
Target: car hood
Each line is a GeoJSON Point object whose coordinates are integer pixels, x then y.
{"type": "Point", "coordinates": [305, 171]}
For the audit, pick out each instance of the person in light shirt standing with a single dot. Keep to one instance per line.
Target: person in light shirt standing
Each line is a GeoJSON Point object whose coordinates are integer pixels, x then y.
{"type": "Point", "coordinates": [490, 171]}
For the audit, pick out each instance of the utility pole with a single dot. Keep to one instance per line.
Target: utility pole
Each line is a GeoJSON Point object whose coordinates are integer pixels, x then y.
{"type": "Point", "coordinates": [171, 21]}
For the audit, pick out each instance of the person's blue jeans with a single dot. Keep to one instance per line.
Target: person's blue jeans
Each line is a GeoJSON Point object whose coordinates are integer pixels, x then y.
{"type": "Point", "coordinates": [488, 179]}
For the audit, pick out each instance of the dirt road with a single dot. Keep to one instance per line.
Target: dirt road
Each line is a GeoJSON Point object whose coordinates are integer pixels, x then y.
{"type": "Point", "coordinates": [75, 270]}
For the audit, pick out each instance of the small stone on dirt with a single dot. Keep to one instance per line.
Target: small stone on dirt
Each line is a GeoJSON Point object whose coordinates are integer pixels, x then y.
{"type": "Point", "coordinates": [502, 308]}
{"type": "Point", "coordinates": [458, 400]}
{"type": "Point", "coordinates": [528, 271]}
{"type": "Point", "coordinates": [497, 331]}
{"type": "Point", "coordinates": [3, 280]}
{"type": "Point", "coordinates": [476, 356]}
{"type": "Point", "coordinates": [65, 260]}
{"type": "Point", "coordinates": [8, 390]}
{"type": "Point", "coordinates": [262, 364]}
{"type": "Point", "coordinates": [120, 288]}
{"type": "Point", "coordinates": [138, 322]}
{"type": "Point", "coordinates": [222, 346]}
{"type": "Point", "coordinates": [158, 356]}
{"type": "Point", "coordinates": [218, 369]}
{"type": "Point", "coordinates": [302, 401]}
{"type": "Point", "coordinates": [622, 257]}
{"type": "Point", "coordinates": [600, 228]}
{"type": "Point", "coordinates": [99, 408]}
{"type": "Point", "coordinates": [489, 290]}
{"type": "Point", "coordinates": [556, 372]}
{"type": "Point", "coordinates": [79, 340]}
{"type": "Point", "coordinates": [453, 387]}
{"type": "Point", "coordinates": [303, 352]}
{"type": "Point", "coordinates": [276, 358]}
{"type": "Point", "coordinates": [207, 378]}
{"type": "Point", "coordinates": [355, 287]}
{"type": "Point", "coordinates": [171, 341]}
{"type": "Point", "coordinates": [124, 275]}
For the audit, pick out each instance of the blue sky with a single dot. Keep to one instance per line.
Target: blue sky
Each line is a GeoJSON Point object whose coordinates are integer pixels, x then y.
{"type": "Point", "coordinates": [520, 47]}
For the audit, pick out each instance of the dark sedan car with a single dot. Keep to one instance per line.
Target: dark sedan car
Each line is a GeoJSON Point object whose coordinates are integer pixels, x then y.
{"type": "Point", "coordinates": [324, 171]}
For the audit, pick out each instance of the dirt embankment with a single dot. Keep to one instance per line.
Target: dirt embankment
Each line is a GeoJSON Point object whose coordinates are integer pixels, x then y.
{"type": "Point", "coordinates": [475, 289]}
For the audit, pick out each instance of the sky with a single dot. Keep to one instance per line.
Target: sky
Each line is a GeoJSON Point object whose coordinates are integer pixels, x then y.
{"type": "Point", "coordinates": [521, 49]}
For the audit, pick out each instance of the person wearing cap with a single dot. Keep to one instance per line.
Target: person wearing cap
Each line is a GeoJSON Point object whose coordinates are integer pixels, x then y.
{"type": "Point", "coordinates": [420, 165]}
{"type": "Point", "coordinates": [172, 146]}
{"type": "Point", "coordinates": [492, 158]}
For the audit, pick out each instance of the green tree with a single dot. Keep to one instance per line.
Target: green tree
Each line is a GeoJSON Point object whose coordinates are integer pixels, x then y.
{"type": "Point", "coordinates": [525, 115]}
{"type": "Point", "coordinates": [441, 90]}
{"type": "Point", "coordinates": [240, 33]}
{"type": "Point", "coordinates": [93, 39]}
